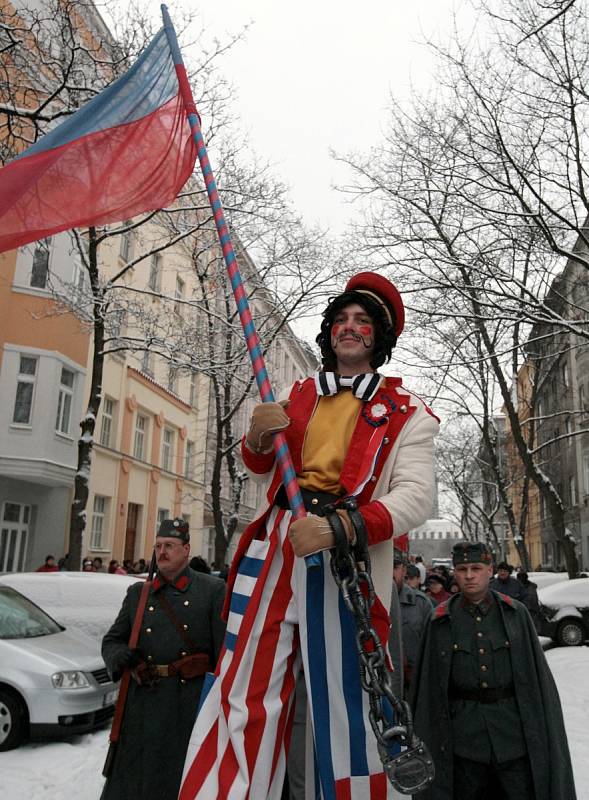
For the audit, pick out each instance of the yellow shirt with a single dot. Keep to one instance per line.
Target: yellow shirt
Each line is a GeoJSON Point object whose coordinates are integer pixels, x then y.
{"type": "Point", "coordinates": [327, 440]}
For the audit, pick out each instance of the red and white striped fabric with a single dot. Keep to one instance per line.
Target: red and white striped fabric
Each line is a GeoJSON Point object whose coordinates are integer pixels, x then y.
{"type": "Point", "coordinates": [239, 744]}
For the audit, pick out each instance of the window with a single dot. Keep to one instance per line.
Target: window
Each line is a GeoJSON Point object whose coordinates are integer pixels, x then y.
{"type": "Point", "coordinates": [147, 363]}
{"type": "Point", "coordinates": [188, 456]}
{"type": "Point", "coordinates": [162, 514]}
{"type": "Point", "coordinates": [64, 402]}
{"type": "Point", "coordinates": [140, 432]}
{"type": "Point", "coordinates": [192, 396]}
{"type": "Point", "coordinates": [582, 397]}
{"type": "Point", "coordinates": [565, 374]}
{"type": "Point", "coordinates": [25, 385]}
{"type": "Point", "coordinates": [568, 427]}
{"type": "Point", "coordinates": [167, 448]}
{"type": "Point", "coordinates": [572, 491]}
{"type": "Point", "coordinates": [14, 530]}
{"type": "Point", "coordinates": [98, 522]}
{"type": "Point", "coordinates": [126, 242]}
{"type": "Point", "coordinates": [173, 379]}
{"type": "Point", "coordinates": [179, 295]}
{"type": "Point", "coordinates": [155, 269]}
{"type": "Point", "coordinates": [40, 270]}
{"type": "Point", "coordinates": [586, 473]}
{"type": "Point", "coordinates": [117, 320]}
{"type": "Point", "coordinates": [106, 428]}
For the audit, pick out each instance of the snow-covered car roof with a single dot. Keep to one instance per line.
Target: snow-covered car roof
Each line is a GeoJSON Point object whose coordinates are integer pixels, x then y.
{"type": "Point", "coordinates": [86, 601]}
{"type": "Point", "coordinates": [542, 579]}
{"type": "Point", "coordinates": [566, 593]}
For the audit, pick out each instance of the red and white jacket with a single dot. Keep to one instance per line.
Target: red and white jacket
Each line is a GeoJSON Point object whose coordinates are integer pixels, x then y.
{"type": "Point", "coordinates": [389, 467]}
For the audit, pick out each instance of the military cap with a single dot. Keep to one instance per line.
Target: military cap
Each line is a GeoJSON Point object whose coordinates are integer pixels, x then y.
{"type": "Point", "coordinates": [399, 557]}
{"type": "Point", "coordinates": [176, 528]}
{"type": "Point", "coordinates": [471, 553]}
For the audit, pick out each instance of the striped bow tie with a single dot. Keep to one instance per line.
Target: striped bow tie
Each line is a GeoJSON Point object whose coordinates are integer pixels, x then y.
{"type": "Point", "coordinates": [364, 386]}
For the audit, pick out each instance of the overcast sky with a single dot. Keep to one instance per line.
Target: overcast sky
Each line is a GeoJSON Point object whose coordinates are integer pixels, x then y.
{"type": "Point", "coordinates": [318, 74]}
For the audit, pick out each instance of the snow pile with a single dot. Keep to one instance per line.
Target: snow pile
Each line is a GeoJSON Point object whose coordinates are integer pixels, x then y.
{"type": "Point", "coordinates": [543, 579]}
{"type": "Point", "coordinates": [571, 593]}
{"type": "Point", "coordinates": [86, 601]}
{"type": "Point", "coordinates": [570, 667]}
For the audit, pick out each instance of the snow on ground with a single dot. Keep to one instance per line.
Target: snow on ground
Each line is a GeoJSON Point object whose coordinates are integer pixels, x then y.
{"type": "Point", "coordinates": [570, 667]}
{"type": "Point", "coordinates": [59, 770]}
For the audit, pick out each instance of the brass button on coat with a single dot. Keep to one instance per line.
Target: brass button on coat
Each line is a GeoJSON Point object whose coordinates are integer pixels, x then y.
{"type": "Point", "coordinates": [148, 630]}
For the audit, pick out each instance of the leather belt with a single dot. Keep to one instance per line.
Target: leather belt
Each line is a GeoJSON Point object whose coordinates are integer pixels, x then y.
{"type": "Point", "coordinates": [313, 500]}
{"type": "Point", "coordinates": [490, 695]}
{"type": "Point", "coordinates": [188, 667]}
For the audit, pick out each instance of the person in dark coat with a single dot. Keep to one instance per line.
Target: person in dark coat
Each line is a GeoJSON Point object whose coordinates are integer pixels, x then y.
{"type": "Point", "coordinates": [414, 609]}
{"type": "Point", "coordinates": [505, 584]}
{"type": "Point", "coordinates": [180, 640]}
{"type": "Point", "coordinates": [531, 600]}
{"type": "Point", "coordinates": [483, 696]}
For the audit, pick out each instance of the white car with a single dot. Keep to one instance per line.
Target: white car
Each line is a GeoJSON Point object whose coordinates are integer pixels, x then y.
{"type": "Point", "coordinates": [564, 612]}
{"type": "Point", "coordinates": [52, 680]}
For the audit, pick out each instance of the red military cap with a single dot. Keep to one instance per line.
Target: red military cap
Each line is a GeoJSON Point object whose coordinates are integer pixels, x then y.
{"type": "Point", "coordinates": [380, 289]}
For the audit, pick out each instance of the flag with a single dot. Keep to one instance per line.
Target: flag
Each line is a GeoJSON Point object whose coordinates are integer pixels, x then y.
{"type": "Point", "coordinates": [128, 150]}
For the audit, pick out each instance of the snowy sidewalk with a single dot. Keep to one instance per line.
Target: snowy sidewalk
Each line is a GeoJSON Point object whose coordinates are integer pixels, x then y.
{"type": "Point", "coordinates": [60, 770]}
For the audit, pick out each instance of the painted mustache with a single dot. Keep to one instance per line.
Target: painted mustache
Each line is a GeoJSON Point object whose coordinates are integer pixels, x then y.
{"type": "Point", "coordinates": [365, 340]}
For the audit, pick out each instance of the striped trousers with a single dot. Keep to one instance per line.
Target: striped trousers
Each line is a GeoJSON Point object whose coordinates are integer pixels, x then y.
{"type": "Point", "coordinates": [282, 615]}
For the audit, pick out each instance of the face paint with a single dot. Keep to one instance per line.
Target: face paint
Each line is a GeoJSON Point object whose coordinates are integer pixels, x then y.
{"type": "Point", "coordinates": [335, 330]}
{"type": "Point", "coordinates": [365, 330]}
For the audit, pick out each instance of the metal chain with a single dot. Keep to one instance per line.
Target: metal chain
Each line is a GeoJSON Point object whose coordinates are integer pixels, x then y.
{"type": "Point", "coordinates": [411, 770]}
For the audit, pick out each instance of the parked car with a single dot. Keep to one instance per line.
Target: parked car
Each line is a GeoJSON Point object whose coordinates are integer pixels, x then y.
{"type": "Point", "coordinates": [86, 601]}
{"type": "Point", "coordinates": [52, 680]}
{"type": "Point", "coordinates": [564, 612]}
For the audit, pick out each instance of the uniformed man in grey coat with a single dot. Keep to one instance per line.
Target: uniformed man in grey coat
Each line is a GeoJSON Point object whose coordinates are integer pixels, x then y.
{"type": "Point", "coordinates": [414, 611]}
{"type": "Point", "coordinates": [180, 640]}
{"type": "Point", "coordinates": [484, 698]}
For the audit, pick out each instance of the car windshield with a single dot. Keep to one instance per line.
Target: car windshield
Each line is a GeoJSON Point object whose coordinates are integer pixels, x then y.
{"type": "Point", "coordinates": [21, 619]}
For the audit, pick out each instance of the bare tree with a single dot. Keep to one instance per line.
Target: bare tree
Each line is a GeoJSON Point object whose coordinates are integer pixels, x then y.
{"type": "Point", "coordinates": [478, 197]}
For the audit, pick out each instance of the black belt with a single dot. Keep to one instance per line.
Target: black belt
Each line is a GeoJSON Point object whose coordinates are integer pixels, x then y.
{"type": "Point", "coordinates": [483, 695]}
{"type": "Point", "coordinates": [314, 501]}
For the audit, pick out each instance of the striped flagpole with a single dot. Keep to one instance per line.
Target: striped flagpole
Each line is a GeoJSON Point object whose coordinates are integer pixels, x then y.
{"type": "Point", "coordinates": [251, 336]}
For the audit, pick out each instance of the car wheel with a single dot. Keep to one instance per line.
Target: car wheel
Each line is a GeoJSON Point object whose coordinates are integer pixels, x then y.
{"type": "Point", "coordinates": [13, 721]}
{"type": "Point", "coordinates": [570, 633]}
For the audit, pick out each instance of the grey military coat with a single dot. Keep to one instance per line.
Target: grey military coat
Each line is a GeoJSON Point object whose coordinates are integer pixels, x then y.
{"type": "Point", "coordinates": [158, 721]}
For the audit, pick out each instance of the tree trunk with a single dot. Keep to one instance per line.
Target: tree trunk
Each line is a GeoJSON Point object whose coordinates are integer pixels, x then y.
{"type": "Point", "coordinates": [88, 423]}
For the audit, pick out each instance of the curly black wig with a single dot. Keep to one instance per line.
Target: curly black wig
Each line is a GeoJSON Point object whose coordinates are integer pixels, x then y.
{"type": "Point", "coordinates": [385, 338]}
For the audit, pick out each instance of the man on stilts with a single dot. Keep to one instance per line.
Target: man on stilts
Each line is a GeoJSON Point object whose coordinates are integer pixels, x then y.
{"type": "Point", "coordinates": [351, 433]}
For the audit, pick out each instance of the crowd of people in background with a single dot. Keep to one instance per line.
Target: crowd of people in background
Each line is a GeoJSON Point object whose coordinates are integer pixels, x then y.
{"type": "Point", "coordinates": [438, 583]}
{"type": "Point", "coordinates": [128, 567]}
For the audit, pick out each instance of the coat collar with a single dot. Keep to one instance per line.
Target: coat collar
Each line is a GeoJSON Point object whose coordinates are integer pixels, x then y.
{"type": "Point", "coordinates": [181, 582]}
{"type": "Point", "coordinates": [443, 610]}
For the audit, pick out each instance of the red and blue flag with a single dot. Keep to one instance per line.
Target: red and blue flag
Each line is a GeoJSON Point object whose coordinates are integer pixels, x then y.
{"type": "Point", "coordinates": [127, 151]}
